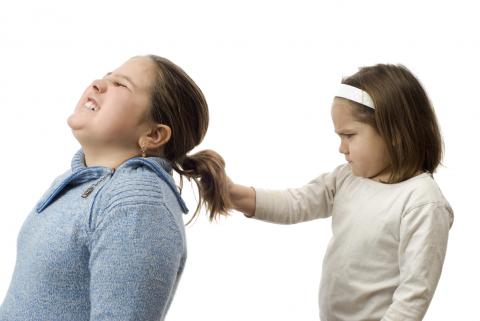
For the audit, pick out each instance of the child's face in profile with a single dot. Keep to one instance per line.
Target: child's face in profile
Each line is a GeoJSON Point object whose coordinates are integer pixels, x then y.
{"type": "Point", "coordinates": [111, 113]}
{"type": "Point", "coordinates": [363, 148]}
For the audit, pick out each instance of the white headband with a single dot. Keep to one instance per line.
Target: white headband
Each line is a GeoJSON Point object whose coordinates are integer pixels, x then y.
{"type": "Point", "coordinates": [355, 94]}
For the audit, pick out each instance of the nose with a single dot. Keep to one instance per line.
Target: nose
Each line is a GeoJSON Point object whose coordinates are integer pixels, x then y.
{"type": "Point", "coordinates": [99, 85]}
{"type": "Point", "coordinates": [343, 149]}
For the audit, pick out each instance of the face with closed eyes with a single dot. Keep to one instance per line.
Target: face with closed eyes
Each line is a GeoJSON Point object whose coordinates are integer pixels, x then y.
{"type": "Point", "coordinates": [364, 149]}
{"type": "Point", "coordinates": [111, 114]}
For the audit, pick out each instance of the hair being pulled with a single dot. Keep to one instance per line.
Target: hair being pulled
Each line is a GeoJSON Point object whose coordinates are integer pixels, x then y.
{"type": "Point", "coordinates": [207, 169]}
{"type": "Point", "coordinates": [180, 104]}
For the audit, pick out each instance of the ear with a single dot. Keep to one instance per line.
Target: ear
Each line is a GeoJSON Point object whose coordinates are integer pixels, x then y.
{"type": "Point", "coordinates": [156, 137]}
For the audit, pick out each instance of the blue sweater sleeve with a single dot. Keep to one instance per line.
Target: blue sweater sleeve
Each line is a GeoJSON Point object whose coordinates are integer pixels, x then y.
{"type": "Point", "coordinates": [136, 259]}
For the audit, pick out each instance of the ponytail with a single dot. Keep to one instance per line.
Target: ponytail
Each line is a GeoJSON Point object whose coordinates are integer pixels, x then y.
{"type": "Point", "coordinates": [178, 103]}
{"type": "Point", "coordinates": [207, 169]}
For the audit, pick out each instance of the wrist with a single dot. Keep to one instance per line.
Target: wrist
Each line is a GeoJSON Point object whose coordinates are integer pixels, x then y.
{"type": "Point", "coordinates": [243, 199]}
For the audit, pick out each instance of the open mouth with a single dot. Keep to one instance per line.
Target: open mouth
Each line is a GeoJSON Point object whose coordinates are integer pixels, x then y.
{"type": "Point", "coordinates": [91, 105]}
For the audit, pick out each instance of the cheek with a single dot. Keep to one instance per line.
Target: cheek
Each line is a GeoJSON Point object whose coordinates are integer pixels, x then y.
{"type": "Point", "coordinates": [118, 120]}
{"type": "Point", "coordinates": [378, 149]}
{"type": "Point", "coordinates": [361, 155]}
{"type": "Point", "coordinates": [356, 149]}
{"type": "Point", "coordinates": [124, 117]}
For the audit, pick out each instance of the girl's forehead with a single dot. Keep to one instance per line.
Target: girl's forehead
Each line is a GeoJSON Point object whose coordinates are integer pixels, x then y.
{"type": "Point", "coordinates": [342, 108]}
{"type": "Point", "coordinates": [342, 115]}
{"type": "Point", "coordinates": [339, 101]}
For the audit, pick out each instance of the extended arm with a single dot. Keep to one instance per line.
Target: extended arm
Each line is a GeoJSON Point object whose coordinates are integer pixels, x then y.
{"type": "Point", "coordinates": [288, 206]}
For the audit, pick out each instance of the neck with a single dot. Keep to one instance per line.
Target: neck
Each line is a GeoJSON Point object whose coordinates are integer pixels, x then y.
{"type": "Point", "coordinates": [106, 157]}
{"type": "Point", "coordinates": [383, 176]}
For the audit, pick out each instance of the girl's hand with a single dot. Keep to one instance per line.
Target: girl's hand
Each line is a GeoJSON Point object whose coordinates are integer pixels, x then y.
{"type": "Point", "coordinates": [242, 197]}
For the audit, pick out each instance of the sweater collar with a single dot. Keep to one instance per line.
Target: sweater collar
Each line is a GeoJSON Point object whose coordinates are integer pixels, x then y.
{"type": "Point", "coordinates": [78, 162]}
{"type": "Point", "coordinates": [158, 165]}
{"type": "Point", "coordinates": [80, 173]}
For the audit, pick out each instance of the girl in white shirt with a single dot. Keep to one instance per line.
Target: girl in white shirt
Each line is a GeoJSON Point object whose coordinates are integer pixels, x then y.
{"type": "Point", "coordinates": [390, 220]}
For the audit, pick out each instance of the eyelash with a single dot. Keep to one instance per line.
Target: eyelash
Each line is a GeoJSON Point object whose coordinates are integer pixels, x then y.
{"type": "Point", "coordinates": [116, 83]}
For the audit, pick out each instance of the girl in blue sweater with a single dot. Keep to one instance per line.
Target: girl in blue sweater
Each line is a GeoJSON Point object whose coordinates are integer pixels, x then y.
{"type": "Point", "coordinates": [107, 240]}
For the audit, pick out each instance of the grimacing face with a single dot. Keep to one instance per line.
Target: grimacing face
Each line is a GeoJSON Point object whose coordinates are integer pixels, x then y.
{"type": "Point", "coordinates": [364, 149]}
{"type": "Point", "coordinates": [112, 112]}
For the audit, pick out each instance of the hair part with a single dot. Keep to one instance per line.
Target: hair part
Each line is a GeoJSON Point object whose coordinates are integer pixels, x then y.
{"type": "Point", "coordinates": [403, 117]}
{"type": "Point", "coordinates": [176, 101]}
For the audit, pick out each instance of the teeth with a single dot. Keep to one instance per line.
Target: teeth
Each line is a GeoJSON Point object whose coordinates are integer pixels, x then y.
{"type": "Point", "coordinates": [90, 105]}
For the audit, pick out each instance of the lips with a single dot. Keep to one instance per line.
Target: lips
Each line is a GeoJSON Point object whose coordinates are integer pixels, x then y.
{"type": "Point", "coordinates": [91, 104]}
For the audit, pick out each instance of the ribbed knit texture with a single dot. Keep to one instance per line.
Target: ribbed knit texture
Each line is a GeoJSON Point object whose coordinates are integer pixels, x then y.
{"type": "Point", "coordinates": [116, 254]}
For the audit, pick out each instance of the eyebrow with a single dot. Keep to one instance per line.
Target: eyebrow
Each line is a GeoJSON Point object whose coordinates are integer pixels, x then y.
{"type": "Point", "coordinates": [122, 76]}
{"type": "Point", "coordinates": [344, 130]}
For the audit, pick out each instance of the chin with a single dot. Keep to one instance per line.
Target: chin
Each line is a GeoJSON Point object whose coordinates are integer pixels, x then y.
{"type": "Point", "coordinates": [76, 122]}
{"type": "Point", "coordinates": [71, 122]}
{"type": "Point", "coordinates": [76, 131]}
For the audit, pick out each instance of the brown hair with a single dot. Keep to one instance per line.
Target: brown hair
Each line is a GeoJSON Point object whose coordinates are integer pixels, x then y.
{"type": "Point", "coordinates": [177, 102]}
{"type": "Point", "coordinates": [403, 117]}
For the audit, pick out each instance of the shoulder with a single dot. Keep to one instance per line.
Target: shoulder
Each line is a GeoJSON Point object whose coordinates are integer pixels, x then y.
{"type": "Point", "coordinates": [336, 177]}
{"type": "Point", "coordinates": [423, 189]}
{"type": "Point", "coordinates": [340, 177]}
{"type": "Point", "coordinates": [423, 195]}
{"type": "Point", "coordinates": [140, 191]}
{"type": "Point", "coordinates": [335, 180]}
{"type": "Point", "coordinates": [342, 173]}
{"type": "Point", "coordinates": [134, 185]}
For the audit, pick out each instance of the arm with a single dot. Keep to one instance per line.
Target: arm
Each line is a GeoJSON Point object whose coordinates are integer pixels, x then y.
{"type": "Point", "coordinates": [289, 206]}
{"type": "Point", "coordinates": [423, 243]}
{"type": "Point", "coordinates": [243, 198]}
{"type": "Point", "coordinates": [137, 256]}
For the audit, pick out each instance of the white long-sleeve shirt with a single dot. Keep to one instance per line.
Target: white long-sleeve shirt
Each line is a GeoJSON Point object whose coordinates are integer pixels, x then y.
{"type": "Point", "coordinates": [388, 245]}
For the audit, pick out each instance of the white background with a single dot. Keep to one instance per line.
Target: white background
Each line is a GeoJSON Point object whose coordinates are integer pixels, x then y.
{"type": "Point", "coordinates": [269, 70]}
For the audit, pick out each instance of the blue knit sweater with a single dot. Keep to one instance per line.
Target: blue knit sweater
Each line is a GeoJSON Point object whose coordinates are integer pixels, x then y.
{"type": "Point", "coordinates": [100, 245]}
